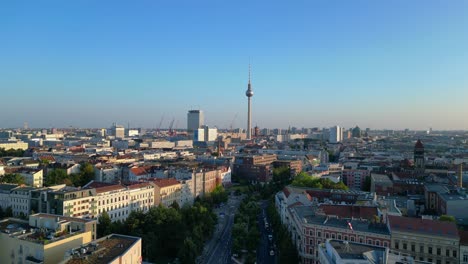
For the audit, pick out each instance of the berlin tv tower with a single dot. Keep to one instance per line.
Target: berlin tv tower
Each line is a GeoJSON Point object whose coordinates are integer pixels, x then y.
{"type": "Point", "coordinates": [249, 94]}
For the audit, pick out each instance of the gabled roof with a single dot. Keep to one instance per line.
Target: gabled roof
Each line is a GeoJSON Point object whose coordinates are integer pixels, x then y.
{"type": "Point", "coordinates": [138, 171]}
{"type": "Point", "coordinates": [161, 183]}
{"type": "Point", "coordinates": [423, 226]}
{"type": "Point", "coordinates": [350, 211]}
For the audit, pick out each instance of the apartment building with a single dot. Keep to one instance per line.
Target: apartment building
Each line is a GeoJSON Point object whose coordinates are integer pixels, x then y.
{"type": "Point", "coordinates": [44, 238]}
{"type": "Point", "coordinates": [309, 229]}
{"type": "Point", "coordinates": [167, 191]}
{"type": "Point", "coordinates": [111, 249]}
{"type": "Point", "coordinates": [425, 240]}
{"type": "Point", "coordinates": [19, 201]}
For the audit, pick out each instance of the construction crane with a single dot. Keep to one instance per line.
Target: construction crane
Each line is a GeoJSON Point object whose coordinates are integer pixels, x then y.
{"type": "Point", "coordinates": [174, 131]}
{"type": "Point", "coordinates": [160, 124]}
{"type": "Point", "coordinates": [232, 122]}
{"type": "Point", "coordinates": [170, 126]}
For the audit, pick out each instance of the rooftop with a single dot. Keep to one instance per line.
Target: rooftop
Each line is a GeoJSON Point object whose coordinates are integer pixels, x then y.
{"type": "Point", "coordinates": [103, 250]}
{"type": "Point", "coordinates": [309, 216]}
{"type": "Point", "coordinates": [165, 182]}
{"type": "Point", "coordinates": [423, 226]}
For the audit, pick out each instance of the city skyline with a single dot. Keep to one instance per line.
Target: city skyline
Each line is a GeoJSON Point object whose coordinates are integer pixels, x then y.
{"type": "Point", "coordinates": [379, 65]}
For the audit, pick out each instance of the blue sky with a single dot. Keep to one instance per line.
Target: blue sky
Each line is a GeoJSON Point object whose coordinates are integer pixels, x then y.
{"type": "Point", "coordinates": [378, 64]}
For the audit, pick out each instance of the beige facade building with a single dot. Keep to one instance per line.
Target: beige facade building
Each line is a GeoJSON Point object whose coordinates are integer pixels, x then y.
{"type": "Point", "coordinates": [14, 145]}
{"type": "Point", "coordinates": [167, 191]}
{"type": "Point", "coordinates": [425, 240]}
{"type": "Point", "coordinates": [43, 239]}
{"type": "Point", "coordinates": [33, 177]}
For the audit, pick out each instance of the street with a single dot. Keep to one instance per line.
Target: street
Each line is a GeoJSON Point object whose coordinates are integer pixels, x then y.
{"type": "Point", "coordinates": [266, 244]}
{"type": "Point", "coordinates": [218, 249]}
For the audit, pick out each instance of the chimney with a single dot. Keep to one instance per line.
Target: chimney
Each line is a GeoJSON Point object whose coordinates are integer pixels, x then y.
{"type": "Point", "coordinates": [460, 175]}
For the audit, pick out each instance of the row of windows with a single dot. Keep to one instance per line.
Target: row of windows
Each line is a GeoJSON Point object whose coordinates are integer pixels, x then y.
{"type": "Point", "coordinates": [430, 250]}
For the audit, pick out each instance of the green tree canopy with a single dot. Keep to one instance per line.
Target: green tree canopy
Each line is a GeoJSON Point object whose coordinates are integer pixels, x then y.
{"type": "Point", "coordinates": [11, 152]}
{"type": "Point", "coordinates": [13, 178]}
{"type": "Point", "coordinates": [305, 180]}
{"type": "Point", "coordinates": [104, 225]}
{"type": "Point", "coordinates": [57, 176]}
{"type": "Point", "coordinates": [448, 218]}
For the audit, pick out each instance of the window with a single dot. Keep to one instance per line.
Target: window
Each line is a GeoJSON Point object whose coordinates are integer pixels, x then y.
{"type": "Point", "coordinates": [377, 243]}
{"type": "Point", "coordinates": [454, 253]}
{"type": "Point", "coordinates": [333, 236]}
{"type": "Point", "coordinates": [405, 247]}
{"type": "Point", "coordinates": [429, 250]}
{"type": "Point", "coordinates": [319, 234]}
{"type": "Point", "coordinates": [396, 245]}
{"type": "Point", "coordinates": [421, 248]}
{"type": "Point", "coordinates": [339, 236]}
{"type": "Point", "coordinates": [413, 248]}
{"type": "Point", "coordinates": [429, 260]}
{"type": "Point", "coordinates": [385, 244]}
{"type": "Point", "coordinates": [438, 251]}
{"type": "Point", "coordinates": [439, 261]}
{"type": "Point", "coordinates": [346, 238]}
{"type": "Point", "coordinates": [327, 235]}
{"type": "Point", "coordinates": [352, 239]}
{"type": "Point", "coordinates": [465, 258]}
{"type": "Point", "coordinates": [447, 253]}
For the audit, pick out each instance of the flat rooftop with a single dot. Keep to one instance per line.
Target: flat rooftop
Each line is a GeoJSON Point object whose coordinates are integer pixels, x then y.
{"type": "Point", "coordinates": [104, 250]}
{"type": "Point", "coordinates": [354, 250]}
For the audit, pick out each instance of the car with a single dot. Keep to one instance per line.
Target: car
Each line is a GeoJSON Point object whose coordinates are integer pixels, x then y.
{"type": "Point", "coordinates": [272, 252]}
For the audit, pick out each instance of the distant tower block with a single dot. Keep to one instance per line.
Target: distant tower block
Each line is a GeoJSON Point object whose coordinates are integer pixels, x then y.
{"type": "Point", "coordinates": [249, 93]}
{"type": "Point", "coordinates": [419, 161]}
{"type": "Point", "coordinates": [25, 125]}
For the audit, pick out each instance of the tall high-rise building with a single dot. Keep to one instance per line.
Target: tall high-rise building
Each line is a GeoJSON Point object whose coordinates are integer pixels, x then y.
{"type": "Point", "coordinates": [419, 162]}
{"type": "Point", "coordinates": [118, 131]}
{"type": "Point", "coordinates": [249, 93]}
{"type": "Point", "coordinates": [195, 120]}
{"type": "Point", "coordinates": [335, 134]}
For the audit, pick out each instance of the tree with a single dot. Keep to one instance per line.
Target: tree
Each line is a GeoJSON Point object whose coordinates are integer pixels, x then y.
{"type": "Point", "coordinates": [86, 174]}
{"type": "Point", "coordinates": [11, 152]}
{"type": "Point", "coordinates": [13, 178]}
{"type": "Point", "coordinates": [104, 225]}
{"type": "Point", "coordinates": [57, 176]}
{"type": "Point", "coordinates": [188, 252]}
{"type": "Point", "coordinates": [9, 212]}
{"type": "Point", "coordinates": [448, 218]}
{"type": "Point", "coordinates": [305, 180]}
{"type": "Point", "coordinates": [281, 174]}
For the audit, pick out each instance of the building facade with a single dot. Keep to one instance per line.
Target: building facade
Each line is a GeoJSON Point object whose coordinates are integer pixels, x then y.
{"type": "Point", "coordinates": [425, 240]}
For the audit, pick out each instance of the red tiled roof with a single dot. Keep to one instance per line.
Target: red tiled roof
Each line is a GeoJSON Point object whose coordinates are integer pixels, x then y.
{"type": "Point", "coordinates": [423, 226]}
{"type": "Point", "coordinates": [161, 183]}
{"type": "Point", "coordinates": [47, 157]}
{"type": "Point", "coordinates": [350, 211]}
{"type": "Point", "coordinates": [138, 171]}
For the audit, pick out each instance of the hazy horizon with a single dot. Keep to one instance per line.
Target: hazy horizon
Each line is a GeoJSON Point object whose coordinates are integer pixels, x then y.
{"type": "Point", "coordinates": [392, 65]}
